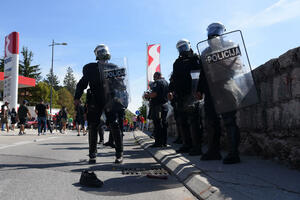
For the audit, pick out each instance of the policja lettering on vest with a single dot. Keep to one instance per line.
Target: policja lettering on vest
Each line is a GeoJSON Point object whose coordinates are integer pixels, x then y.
{"type": "Point", "coordinates": [228, 53]}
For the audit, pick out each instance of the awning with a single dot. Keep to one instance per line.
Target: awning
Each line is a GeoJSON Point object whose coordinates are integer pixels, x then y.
{"type": "Point", "coordinates": [24, 82]}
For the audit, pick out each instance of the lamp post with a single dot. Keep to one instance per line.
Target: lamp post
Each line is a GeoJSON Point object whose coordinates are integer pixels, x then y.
{"type": "Point", "coordinates": [51, 71]}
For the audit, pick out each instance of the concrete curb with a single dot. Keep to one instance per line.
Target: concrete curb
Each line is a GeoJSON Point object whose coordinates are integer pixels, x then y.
{"type": "Point", "coordinates": [182, 168]}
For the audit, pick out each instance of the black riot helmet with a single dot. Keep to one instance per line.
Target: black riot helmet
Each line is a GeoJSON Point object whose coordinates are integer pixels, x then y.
{"type": "Point", "coordinates": [215, 29]}
{"type": "Point", "coordinates": [102, 52]}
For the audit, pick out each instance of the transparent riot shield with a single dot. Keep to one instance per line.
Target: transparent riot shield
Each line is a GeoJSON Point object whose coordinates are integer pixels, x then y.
{"type": "Point", "coordinates": [192, 99]}
{"type": "Point", "coordinates": [228, 72]}
{"type": "Point", "coordinates": [123, 63]}
{"type": "Point", "coordinates": [115, 83]}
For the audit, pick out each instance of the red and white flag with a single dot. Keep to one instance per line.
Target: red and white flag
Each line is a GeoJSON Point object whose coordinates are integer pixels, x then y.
{"type": "Point", "coordinates": [153, 64]}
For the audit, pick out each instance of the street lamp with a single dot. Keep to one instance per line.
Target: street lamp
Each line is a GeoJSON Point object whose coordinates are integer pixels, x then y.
{"type": "Point", "coordinates": [51, 71]}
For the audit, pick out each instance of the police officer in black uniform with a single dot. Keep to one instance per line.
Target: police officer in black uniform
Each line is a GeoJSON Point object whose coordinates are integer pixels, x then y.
{"type": "Point", "coordinates": [213, 119]}
{"type": "Point", "coordinates": [188, 112]}
{"type": "Point", "coordinates": [99, 98]}
{"type": "Point", "coordinates": [93, 76]}
{"type": "Point", "coordinates": [159, 109]}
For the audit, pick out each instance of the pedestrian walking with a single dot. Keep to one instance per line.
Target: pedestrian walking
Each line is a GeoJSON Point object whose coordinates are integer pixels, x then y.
{"type": "Point", "coordinates": [22, 114]}
{"type": "Point", "coordinates": [63, 115]}
{"type": "Point", "coordinates": [49, 119]}
{"type": "Point", "coordinates": [4, 116]}
{"type": "Point", "coordinates": [13, 118]}
{"type": "Point", "coordinates": [57, 123]}
{"type": "Point", "coordinates": [41, 111]}
{"type": "Point", "coordinates": [79, 118]}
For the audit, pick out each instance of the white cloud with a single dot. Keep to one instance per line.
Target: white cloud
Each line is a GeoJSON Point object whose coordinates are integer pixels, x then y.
{"type": "Point", "coordinates": [280, 11]}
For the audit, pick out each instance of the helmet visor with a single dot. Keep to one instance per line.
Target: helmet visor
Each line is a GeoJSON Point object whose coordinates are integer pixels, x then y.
{"type": "Point", "coordinates": [183, 48]}
{"type": "Point", "coordinates": [215, 30]}
{"type": "Point", "coordinates": [102, 52]}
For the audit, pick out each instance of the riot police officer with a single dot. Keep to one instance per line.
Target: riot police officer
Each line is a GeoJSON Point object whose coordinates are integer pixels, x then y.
{"type": "Point", "coordinates": [101, 96]}
{"type": "Point", "coordinates": [159, 109]}
{"type": "Point", "coordinates": [181, 88]}
{"type": "Point", "coordinates": [220, 99]}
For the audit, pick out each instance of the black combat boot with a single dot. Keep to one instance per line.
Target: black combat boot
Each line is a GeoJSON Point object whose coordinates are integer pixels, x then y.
{"type": "Point", "coordinates": [90, 179]}
{"type": "Point", "coordinates": [118, 138]}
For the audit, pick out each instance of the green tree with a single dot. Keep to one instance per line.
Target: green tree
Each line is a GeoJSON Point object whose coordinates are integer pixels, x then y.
{"type": "Point", "coordinates": [42, 91]}
{"type": "Point", "coordinates": [52, 78]}
{"type": "Point", "coordinates": [83, 98]}
{"type": "Point", "coordinates": [70, 81]}
{"type": "Point", "coordinates": [143, 110]}
{"type": "Point", "coordinates": [25, 67]}
{"type": "Point", "coordinates": [129, 115]}
{"type": "Point", "coordinates": [28, 70]}
{"type": "Point", "coordinates": [65, 98]}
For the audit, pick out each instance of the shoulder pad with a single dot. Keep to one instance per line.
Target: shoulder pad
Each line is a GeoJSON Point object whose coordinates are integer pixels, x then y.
{"type": "Point", "coordinates": [89, 65]}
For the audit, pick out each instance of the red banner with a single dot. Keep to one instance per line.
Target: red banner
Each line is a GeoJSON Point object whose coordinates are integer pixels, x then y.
{"type": "Point", "coordinates": [153, 57]}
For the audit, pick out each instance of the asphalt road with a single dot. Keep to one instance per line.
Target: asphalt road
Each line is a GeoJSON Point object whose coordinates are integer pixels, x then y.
{"type": "Point", "coordinates": [49, 167]}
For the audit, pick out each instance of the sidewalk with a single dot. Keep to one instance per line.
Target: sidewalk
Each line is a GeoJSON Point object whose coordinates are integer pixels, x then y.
{"type": "Point", "coordinates": [253, 178]}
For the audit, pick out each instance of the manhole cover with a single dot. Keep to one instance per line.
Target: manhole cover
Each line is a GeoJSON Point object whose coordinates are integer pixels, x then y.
{"type": "Point", "coordinates": [155, 171]}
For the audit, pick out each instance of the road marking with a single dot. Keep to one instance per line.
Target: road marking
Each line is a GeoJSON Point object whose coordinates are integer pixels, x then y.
{"type": "Point", "coordinates": [26, 142]}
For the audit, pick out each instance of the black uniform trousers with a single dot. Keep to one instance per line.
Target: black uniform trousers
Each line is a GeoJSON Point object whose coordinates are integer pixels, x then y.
{"type": "Point", "coordinates": [114, 120]}
{"type": "Point", "coordinates": [190, 125]}
{"type": "Point", "coordinates": [101, 131]}
{"type": "Point", "coordinates": [214, 129]}
{"type": "Point", "coordinates": [159, 117]}
{"type": "Point", "coordinates": [93, 116]}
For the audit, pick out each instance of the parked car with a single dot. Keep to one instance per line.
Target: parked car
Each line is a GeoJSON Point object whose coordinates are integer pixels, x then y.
{"type": "Point", "coordinates": [32, 124]}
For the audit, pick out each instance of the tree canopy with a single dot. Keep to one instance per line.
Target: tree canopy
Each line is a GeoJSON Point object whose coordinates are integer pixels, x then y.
{"type": "Point", "coordinates": [70, 81]}
{"type": "Point", "coordinates": [42, 91]}
{"type": "Point", "coordinates": [143, 110]}
{"type": "Point", "coordinates": [52, 78]}
{"type": "Point", "coordinates": [25, 67]}
{"type": "Point", "coordinates": [65, 98]}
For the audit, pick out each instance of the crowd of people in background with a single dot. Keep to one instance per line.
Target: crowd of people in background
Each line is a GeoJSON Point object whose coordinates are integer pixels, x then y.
{"type": "Point", "coordinates": [17, 120]}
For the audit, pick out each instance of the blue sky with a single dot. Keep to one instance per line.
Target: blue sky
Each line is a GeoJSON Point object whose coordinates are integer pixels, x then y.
{"type": "Point", "coordinates": [270, 28]}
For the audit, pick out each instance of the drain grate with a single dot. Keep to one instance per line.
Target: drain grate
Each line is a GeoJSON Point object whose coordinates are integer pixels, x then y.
{"type": "Point", "coordinates": [155, 171]}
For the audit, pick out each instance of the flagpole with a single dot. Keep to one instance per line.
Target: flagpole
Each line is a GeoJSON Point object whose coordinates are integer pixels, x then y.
{"type": "Point", "coordinates": [146, 104]}
{"type": "Point", "coordinates": [147, 65]}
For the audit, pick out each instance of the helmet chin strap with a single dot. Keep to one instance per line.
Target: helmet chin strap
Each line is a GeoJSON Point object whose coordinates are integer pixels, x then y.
{"type": "Point", "coordinates": [187, 53]}
{"type": "Point", "coordinates": [102, 60]}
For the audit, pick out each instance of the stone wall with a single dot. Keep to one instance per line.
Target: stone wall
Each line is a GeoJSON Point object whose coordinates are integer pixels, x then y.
{"type": "Point", "coordinates": [272, 128]}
